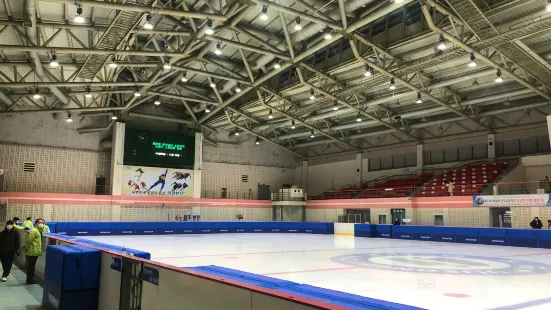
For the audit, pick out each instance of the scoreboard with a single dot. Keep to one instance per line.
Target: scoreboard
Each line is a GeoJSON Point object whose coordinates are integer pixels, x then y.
{"type": "Point", "coordinates": [158, 149]}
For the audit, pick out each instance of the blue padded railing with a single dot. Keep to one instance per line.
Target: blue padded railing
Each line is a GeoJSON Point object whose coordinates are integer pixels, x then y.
{"type": "Point", "coordinates": [532, 238]}
{"type": "Point", "coordinates": [329, 296]}
{"type": "Point", "coordinates": [167, 228]}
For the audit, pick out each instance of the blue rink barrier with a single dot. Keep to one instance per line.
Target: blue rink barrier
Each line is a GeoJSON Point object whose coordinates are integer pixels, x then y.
{"type": "Point", "coordinates": [346, 300]}
{"type": "Point", "coordinates": [531, 238]}
{"type": "Point", "coordinates": [168, 228]}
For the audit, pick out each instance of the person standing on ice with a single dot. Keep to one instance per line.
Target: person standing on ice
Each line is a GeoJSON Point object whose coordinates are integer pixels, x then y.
{"type": "Point", "coordinates": [536, 223]}
{"type": "Point", "coordinates": [397, 222]}
{"type": "Point", "coordinates": [10, 243]}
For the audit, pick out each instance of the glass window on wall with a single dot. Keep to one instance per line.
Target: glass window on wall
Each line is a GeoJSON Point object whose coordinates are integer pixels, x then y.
{"type": "Point", "coordinates": [436, 156]}
{"type": "Point", "coordinates": [411, 160]}
{"type": "Point", "coordinates": [334, 49]}
{"type": "Point", "coordinates": [543, 144]}
{"type": "Point", "coordinates": [346, 44]}
{"type": "Point", "coordinates": [465, 153]}
{"type": "Point", "coordinates": [284, 77]}
{"type": "Point", "coordinates": [480, 151]}
{"type": "Point", "coordinates": [395, 19]}
{"type": "Point", "coordinates": [374, 164]}
{"type": "Point", "coordinates": [511, 147]}
{"type": "Point", "coordinates": [319, 56]}
{"type": "Point", "coordinates": [398, 161]}
{"type": "Point", "coordinates": [529, 145]}
{"type": "Point", "coordinates": [379, 27]}
{"type": "Point", "coordinates": [386, 163]}
{"type": "Point", "coordinates": [413, 13]}
{"type": "Point", "coordinates": [450, 155]}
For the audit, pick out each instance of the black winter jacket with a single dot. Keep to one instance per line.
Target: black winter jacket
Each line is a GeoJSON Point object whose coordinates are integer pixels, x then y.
{"type": "Point", "coordinates": [9, 241]}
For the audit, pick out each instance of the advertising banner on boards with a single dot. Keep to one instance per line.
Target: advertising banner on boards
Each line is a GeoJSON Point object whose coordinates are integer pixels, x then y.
{"type": "Point", "coordinates": [154, 181]}
{"type": "Point", "coordinates": [532, 200]}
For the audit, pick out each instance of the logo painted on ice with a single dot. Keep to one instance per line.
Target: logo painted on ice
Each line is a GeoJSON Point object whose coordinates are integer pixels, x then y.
{"type": "Point", "coordinates": [442, 263]}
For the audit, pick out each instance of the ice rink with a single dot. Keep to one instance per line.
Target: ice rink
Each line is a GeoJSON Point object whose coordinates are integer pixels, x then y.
{"type": "Point", "coordinates": [424, 274]}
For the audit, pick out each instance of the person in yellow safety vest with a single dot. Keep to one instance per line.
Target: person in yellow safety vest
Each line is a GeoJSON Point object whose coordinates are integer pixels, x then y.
{"type": "Point", "coordinates": [33, 249]}
{"type": "Point", "coordinates": [46, 229]}
{"type": "Point", "coordinates": [18, 225]}
{"type": "Point", "coordinates": [28, 224]}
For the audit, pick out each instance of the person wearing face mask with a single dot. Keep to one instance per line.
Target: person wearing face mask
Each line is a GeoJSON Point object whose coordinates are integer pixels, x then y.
{"type": "Point", "coordinates": [18, 225]}
{"type": "Point", "coordinates": [9, 246]}
{"type": "Point", "coordinates": [33, 249]}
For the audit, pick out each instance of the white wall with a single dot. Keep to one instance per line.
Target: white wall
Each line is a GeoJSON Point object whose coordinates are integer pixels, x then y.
{"type": "Point", "coordinates": [537, 167]}
{"type": "Point", "coordinates": [334, 175]}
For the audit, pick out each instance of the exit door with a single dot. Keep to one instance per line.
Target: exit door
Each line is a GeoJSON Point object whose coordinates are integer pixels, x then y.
{"type": "Point", "coordinates": [397, 213]}
{"type": "Point", "coordinates": [500, 217]}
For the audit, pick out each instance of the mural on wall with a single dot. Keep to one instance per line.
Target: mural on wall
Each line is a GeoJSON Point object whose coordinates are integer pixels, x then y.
{"type": "Point", "coordinates": [153, 181]}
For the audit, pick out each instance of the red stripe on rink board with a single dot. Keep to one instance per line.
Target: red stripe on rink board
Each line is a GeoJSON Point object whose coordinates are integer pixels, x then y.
{"type": "Point", "coordinates": [258, 289]}
{"type": "Point", "coordinates": [386, 203]}
{"type": "Point", "coordinates": [107, 200]}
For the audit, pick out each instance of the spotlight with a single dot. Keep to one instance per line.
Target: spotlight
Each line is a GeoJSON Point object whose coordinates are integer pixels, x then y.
{"type": "Point", "coordinates": [270, 116]}
{"type": "Point", "coordinates": [312, 134]}
{"type": "Point", "coordinates": [358, 118]}
{"type": "Point", "coordinates": [157, 102]}
{"type": "Point", "coordinates": [37, 94]}
{"type": "Point", "coordinates": [184, 78]}
{"type": "Point", "coordinates": [499, 79]}
{"type": "Point", "coordinates": [88, 93]}
{"type": "Point", "coordinates": [419, 100]}
{"type": "Point", "coordinates": [78, 18]}
{"type": "Point", "coordinates": [472, 63]}
{"type": "Point", "coordinates": [167, 65]}
{"type": "Point", "coordinates": [207, 110]}
{"type": "Point", "coordinates": [237, 89]}
{"type": "Point", "coordinates": [392, 84]}
{"type": "Point", "coordinates": [137, 92]}
{"type": "Point", "coordinates": [218, 51]}
{"type": "Point", "coordinates": [236, 133]}
{"type": "Point", "coordinates": [113, 64]}
{"type": "Point", "coordinates": [148, 25]}
{"type": "Point", "coordinates": [212, 85]}
{"type": "Point", "coordinates": [368, 71]}
{"type": "Point", "coordinates": [442, 43]}
{"type": "Point", "coordinates": [312, 96]}
{"type": "Point", "coordinates": [264, 15]}
{"type": "Point", "coordinates": [277, 66]}
{"type": "Point", "coordinates": [328, 35]}
{"type": "Point", "coordinates": [53, 62]}
{"type": "Point", "coordinates": [293, 125]}
{"type": "Point", "coordinates": [209, 30]}
{"type": "Point", "coordinates": [69, 118]}
{"type": "Point", "coordinates": [114, 116]}
{"type": "Point", "coordinates": [257, 142]}
{"type": "Point", "coordinates": [298, 27]}
{"type": "Point", "coordinates": [335, 106]}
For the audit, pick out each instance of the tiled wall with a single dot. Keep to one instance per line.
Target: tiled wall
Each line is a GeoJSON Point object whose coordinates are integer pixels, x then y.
{"type": "Point", "coordinates": [57, 170]}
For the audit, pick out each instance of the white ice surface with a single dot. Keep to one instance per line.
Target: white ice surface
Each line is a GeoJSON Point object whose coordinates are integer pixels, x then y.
{"type": "Point", "coordinates": [307, 259]}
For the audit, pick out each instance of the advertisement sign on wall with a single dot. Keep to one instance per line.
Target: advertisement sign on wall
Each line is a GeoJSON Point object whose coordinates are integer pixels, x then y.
{"type": "Point", "coordinates": [153, 181]}
{"type": "Point", "coordinates": [536, 200]}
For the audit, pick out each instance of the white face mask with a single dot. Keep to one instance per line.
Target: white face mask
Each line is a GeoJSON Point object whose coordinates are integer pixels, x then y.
{"type": "Point", "coordinates": [40, 225]}
{"type": "Point", "coordinates": [9, 227]}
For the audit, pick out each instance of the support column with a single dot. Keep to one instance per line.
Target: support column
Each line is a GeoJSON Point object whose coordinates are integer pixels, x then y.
{"type": "Point", "coordinates": [420, 159]}
{"type": "Point", "coordinates": [492, 145]}
{"type": "Point", "coordinates": [198, 165]}
{"type": "Point", "coordinates": [304, 183]}
{"type": "Point", "coordinates": [359, 169]}
{"type": "Point", "coordinates": [117, 167]}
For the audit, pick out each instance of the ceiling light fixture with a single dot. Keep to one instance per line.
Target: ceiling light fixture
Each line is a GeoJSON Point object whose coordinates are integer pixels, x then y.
{"type": "Point", "coordinates": [270, 116]}
{"type": "Point", "coordinates": [441, 43]}
{"type": "Point", "coordinates": [114, 117]}
{"type": "Point", "coordinates": [157, 101]}
{"type": "Point", "coordinates": [212, 84]}
{"type": "Point", "coordinates": [312, 95]}
{"type": "Point", "coordinates": [167, 65]}
{"type": "Point", "coordinates": [499, 79]}
{"type": "Point", "coordinates": [207, 110]}
{"type": "Point", "coordinates": [237, 89]}
{"type": "Point", "coordinates": [548, 7]}
{"type": "Point", "coordinates": [218, 49]}
{"type": "Point", "coordinates": [257, 142]}
{"type": "Point", "coordinates": [236, 133]}
{"type": "Point", "coordinates": [148, 25]}
{"type": "Point", "coordinates": [472, 63]}
{"type": "Point", "coordinates": [392, 84]}
{"type": "Point", "coordinates": [209, 30]}
{"type": "Point", "coordinates": [293, 125]}
{"type": "Point", "coordinates": [277, 66]}
{"type": "Point", "coordinates": [53, 61]}
{"type": "Point", "coordinates": [368, 71]}
{"type": "Point", "coordinates": [335, 106]}
{"type": "Point", "coordinates": [184, 78]}
{"type": "Point", "coordinates": [264, 15]}
{"type": "Point", "coordinates": [137, 92]}
{"type": "Point", "coordinates": [312, 134]}
{"type": "Point", "coordinates": [78, 18]}
{"type": "Point", "coordinates": [37, 94]}
{"type": "Point", "coordinates": [359, 118]}
{"type": "Point", "coordinates": [298, 27]}
{"type": "Point", "coordinates": [113, 64]}
{"type": "Point", "coordinates": [88, 92]}
{"type": "Point", "coordinates": [328, 34]}
{"type": "Point", "coordinates": [419, 100]}
{"type": "Point", "coordinates": [69, 118]}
